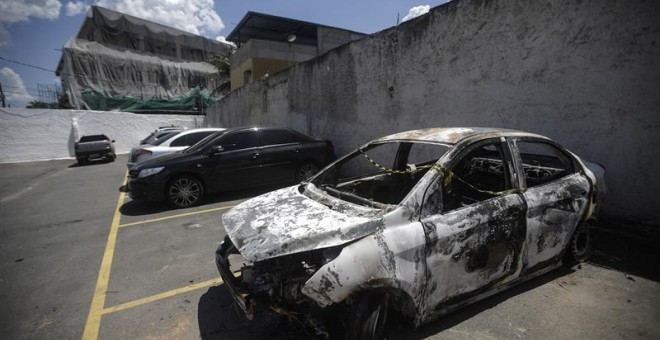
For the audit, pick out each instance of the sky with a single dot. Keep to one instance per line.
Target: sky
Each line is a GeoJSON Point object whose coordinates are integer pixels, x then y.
{"type": "Point", "coordinates": [33, 32]}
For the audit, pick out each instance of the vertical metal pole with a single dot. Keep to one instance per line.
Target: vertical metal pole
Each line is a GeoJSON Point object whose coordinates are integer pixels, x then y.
{"type": "Point", "coordinates": [2, 96]}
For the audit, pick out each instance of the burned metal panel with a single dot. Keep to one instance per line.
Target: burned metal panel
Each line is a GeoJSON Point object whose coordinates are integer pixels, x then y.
{"type": "Point", "coordinates": [453, 135]}
{"type": "Point", "coordinates": [553, 212]}
{"type": "Point", "coordinates": [392, 257]}
{"type": "Point", "coordinates": [472, 247]}
{"type": "Point", "coordinates": [286, 221]}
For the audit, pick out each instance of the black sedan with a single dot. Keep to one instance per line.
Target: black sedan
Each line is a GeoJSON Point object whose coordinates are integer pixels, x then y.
{"type": "Point", "coordinates": [230, 159]}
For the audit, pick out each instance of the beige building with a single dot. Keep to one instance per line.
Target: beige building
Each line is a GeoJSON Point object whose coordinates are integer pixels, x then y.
{"type": "Point", "coordinates": [268, 44]}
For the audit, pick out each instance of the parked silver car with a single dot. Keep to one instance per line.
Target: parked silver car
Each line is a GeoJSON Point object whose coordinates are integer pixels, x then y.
{"type": "Point", "coordinates": [422, 222]}
{"type": "Point", "coordinates": [169, 144]}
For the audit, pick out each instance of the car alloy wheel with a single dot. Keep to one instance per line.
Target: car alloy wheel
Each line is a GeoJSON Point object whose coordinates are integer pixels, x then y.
{"type": "Point", "coordinates": [306, 170]}
{"type": "Point", "coordinates": [184, 191]}
{"type": "Point", "coordinates": [368, 316]}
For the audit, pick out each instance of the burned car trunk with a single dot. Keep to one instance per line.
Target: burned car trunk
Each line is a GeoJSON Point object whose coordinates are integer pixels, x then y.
{"type": "Point", "coordinates": [422, 222]}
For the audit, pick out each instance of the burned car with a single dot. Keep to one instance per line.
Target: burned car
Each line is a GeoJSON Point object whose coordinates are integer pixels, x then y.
{"type": "Point", "coordinates": [420, 222]}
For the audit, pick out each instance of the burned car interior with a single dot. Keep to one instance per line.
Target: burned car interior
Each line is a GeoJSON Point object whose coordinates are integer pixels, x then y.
{"type": "Point", "coordinates": [380, 174]}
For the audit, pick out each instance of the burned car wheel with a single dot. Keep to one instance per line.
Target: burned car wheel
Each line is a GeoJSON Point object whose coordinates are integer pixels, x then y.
{"type": "Point", "coordinates": [184, 191]}
{"type": "Point", "coordinates": [367, 317]}
{"type": "Point", "coordinates": [306, 170]}
{"type": "Point", "coordinates": [579, 248]}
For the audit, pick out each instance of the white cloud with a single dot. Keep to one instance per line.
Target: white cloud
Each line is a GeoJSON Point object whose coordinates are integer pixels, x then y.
{"type": "Point", "coordinates": [194, 16]}
{"type": "Point", "coordinates": [16, 94]}
{"type": "Point", "coordinates": [75, 8]}
{"type": "Point", "coordinates": [21, 10]}
{"type": "Point", "coordinates": [222, 39]}
{"type": "Point", "coordinates": [416, 11]}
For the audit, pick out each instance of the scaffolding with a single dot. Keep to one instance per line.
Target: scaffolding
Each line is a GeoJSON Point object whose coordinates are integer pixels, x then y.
{"type": "Point", "coordinates": [49, 93]}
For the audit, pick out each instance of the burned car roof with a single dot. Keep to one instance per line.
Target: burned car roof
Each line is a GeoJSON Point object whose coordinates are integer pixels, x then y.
{"type": "Point", "coordinates": [454, 135]}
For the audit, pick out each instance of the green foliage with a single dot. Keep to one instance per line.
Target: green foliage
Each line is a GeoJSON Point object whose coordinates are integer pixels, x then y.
{"type": "Point", "coordinates": [35, 104]}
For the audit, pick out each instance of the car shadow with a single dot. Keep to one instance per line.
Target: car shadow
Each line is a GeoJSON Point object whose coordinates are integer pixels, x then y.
{"type": "Point", "coordinates": [631, 250]}
{"type": "Point", "coordinates": [89, 163]}
{"type": "Point", "coordinates": [399, 330]}
{"type": "Point", "coordinates": [219, 318]}
{"type": "Point", "coordinates": [140, 208]}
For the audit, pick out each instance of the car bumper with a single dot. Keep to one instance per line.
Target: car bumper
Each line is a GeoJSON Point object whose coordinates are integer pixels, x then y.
{"type": "Point", "coordinates": [94, 154]}
{"type": "Point", "coordinates": [242, 299]}
{"type": "Point", "coordinates": [146, 189]}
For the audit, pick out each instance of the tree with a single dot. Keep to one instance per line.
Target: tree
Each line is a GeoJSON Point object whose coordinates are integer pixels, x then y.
{"type": "Point", "coordinates": [221, 63]}
{"type": "Point", "coordinates": [35, 104]}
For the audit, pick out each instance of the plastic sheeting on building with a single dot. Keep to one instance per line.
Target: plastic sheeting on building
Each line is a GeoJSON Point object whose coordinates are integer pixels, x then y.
{"type": "Point", "coordinates": [120, 62]}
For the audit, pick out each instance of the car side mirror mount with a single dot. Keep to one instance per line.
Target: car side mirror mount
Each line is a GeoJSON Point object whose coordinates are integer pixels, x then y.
{"type": "Point", "coordinates": [112, 141]}
{"type": "Point", "coordinates": [216, 149]}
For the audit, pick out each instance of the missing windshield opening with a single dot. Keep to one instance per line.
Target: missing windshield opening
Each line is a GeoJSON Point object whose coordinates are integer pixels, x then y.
{"type": "Point", "coordinates": [380, 174]}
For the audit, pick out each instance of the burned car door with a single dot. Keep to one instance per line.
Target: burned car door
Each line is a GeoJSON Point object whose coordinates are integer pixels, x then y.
{"type": "Point", "coordinates": [474, 225]}
{"type": "Point", "coordinates": [556, 194]}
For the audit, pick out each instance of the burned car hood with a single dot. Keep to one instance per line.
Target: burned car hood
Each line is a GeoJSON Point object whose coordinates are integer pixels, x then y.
{"type": "Point", "coordinates": [286, 222]}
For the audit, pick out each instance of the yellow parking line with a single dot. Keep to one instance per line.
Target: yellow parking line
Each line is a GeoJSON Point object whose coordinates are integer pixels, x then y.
{"type": "Point", "coordinates": [173, 216]}
{"type": "Point", "coordinates": [98, 301]}
{"type": "Point", "coordinates": [161, 296]}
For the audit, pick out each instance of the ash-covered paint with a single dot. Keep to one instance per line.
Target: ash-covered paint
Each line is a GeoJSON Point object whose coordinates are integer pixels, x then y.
{"type": "Point", "coordinates": [286, 222]}
{"type": "Point", "coordinates": [438, 260]}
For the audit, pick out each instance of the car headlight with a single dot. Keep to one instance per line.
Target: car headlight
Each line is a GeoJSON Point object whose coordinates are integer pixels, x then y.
{"type": "Point", "coordinates": [150, 171]}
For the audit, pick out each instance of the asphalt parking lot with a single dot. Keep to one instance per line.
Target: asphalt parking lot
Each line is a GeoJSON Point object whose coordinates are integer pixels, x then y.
{"type": "Point", "coordinates": [79, 259]}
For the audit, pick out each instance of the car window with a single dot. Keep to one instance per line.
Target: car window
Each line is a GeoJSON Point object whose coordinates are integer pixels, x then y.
{"type": "Point", "coordinates": [162, 139]}
{"type": "Point", "coordinates": [480, 173]}
{"type": "Point", "coordinates": [276, 137]}
{"type": "Point", "coordinates": [542, 162]}
{"type": "Point", "coordinates": [93, 138]}
{"type": "Point", "coordinates": [194, 138]}
{"type": "Point", "coordinates": [240, 140]}
{"type": "Point", "coordinates": [190, 139]}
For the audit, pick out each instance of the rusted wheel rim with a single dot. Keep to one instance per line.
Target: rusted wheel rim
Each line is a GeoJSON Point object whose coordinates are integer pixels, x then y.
{"type": "Point", "coordinates": [581, 245]}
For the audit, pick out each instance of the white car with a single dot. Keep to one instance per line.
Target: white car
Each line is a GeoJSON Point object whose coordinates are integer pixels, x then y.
{"type": "Point", "coordinates": [421, 222]}
{"type": "Point", "coordinates": [173, 144]}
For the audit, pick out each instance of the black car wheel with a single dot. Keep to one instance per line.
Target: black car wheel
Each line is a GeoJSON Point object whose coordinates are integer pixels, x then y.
{"type": "Point", "coordinates": [306, 170]}
{"type": "Point", "coordinates": [579, 247]}
{"type": "Point", "coordinates": [368, 317]}
{"type": "Point", "coordinates": [184, 191]}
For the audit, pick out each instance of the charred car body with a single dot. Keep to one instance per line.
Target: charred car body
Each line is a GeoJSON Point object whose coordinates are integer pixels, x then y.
{"type": "Point", "coordinates": [424, 222]}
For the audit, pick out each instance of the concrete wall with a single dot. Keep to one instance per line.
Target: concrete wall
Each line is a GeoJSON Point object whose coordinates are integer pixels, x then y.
{"type": "Point", "coordinates": [585, 73]}
{"type": "Point", "coordinates": [34, 134]}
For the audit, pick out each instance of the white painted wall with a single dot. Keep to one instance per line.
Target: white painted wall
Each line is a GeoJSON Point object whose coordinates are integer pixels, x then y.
{"type": "Point", "coordinates": [585, 73]}
{"type": "Point", "coordinates": [43, 134]}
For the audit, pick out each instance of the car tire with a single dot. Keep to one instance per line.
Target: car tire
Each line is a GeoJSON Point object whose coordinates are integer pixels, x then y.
{"type": "Point", "coordinates": [579, 246]}
{"type": "Point", "coordinates": [184, 191]}
{"type": "Point", "coordinates": [82, 161]}
{"type": "Point", "coordinates": [306, 170]}
{"type": "Point", "coordinates": [367, 317]}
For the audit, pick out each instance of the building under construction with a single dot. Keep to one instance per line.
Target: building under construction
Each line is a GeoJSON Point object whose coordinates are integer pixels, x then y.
{"type": "Point", "coordinates": [120, 62]}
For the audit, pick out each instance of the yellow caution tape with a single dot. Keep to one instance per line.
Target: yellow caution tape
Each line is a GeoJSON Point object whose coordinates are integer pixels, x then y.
{"type": "Point", "coordinates": [448, 175]}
